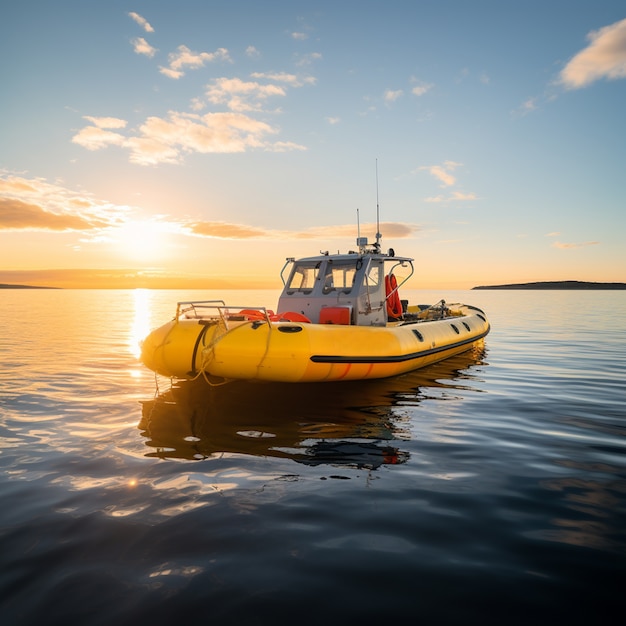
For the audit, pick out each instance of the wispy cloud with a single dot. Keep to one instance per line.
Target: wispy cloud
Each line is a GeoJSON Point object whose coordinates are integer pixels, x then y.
{"type": "Point", "coordinates": [420, 87]}
{"type": "Point", "coordinates": [569, 246]}
{"type": "Point", "coordinates": [141, 46]}
{"type": "Point", "coordinates": [168, 139]}
{"type": "Point", "coordinates": [141, 21]}
{"type": "Point", "coordinates": [107, 122]}
{"type": "Point", "coordinates": [391, 95]}
{"type": "Point", "coordinates": [34, 204]}
{"type": "Point", "coordinates": [96, 138]}
{"type": "Point", "coordinates": [308, 59]}
{"type": "Point", "coordinates": [391, 230]}
{"type": "Point", "coordinates": [604, 57]}
{"type": "Point", "coordinates": [18, 215]}
{"type": "Point", "coordinates": [252, 95]}
{"type": "Point", "coordinates": [528, 106]}
{"type": "Point", "coordinates": [184, 59]}
{"type": "Point", "coordinates": [241, 95]}
{"type": "Point", "coordinates": [459, 195]}
{"type": "Point", "coordinates": [444, 174]}
{"type": "Point", "coordinates": [226, 230]}
{"type": "Point", "coordinates": [293, 80]}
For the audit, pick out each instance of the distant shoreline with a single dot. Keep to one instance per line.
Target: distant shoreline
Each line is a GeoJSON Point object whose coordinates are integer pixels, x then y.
{"type": "Point", "coordinates": [558, 284]}
{"type": "Point", "coordinates": [6, 286]}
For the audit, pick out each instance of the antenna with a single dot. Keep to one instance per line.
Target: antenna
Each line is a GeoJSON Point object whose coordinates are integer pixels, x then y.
{"type": "Point", "coordinates": [378, 235]}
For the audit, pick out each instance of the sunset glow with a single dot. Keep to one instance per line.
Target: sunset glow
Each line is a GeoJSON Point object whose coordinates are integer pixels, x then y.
{"type": "Point", "coordinates": [185, 148]}
{"type": "Point", "coordinates": [140, 242]}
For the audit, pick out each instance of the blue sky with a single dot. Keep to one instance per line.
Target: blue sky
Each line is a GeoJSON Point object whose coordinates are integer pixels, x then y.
{"type": "Point", "coordinates": [206, 141]}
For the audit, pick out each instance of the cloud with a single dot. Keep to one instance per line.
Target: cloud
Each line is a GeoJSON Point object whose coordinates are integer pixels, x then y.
{"type": "Point", "coordinates": [252, 52]}
{"type": "Point", "coordinates": [106, 122]}
{"type": "Point", "coordinates": [252, 95]}
{"type": "Point", "coordinates": [98, 136]}
{"type": "Point", "coordinates": [391, 95]}
{"type": "Point", "coordinates": [527, 106]}
{"type": "Point", "coordinates": [95, 138]}
{"type": "Point", "coordinates": [395, 230]}
{"type": "Point", "coordinates": [443, 173]}
{"type": "Point", "coordinates": [213, 132]}
{"type": "Point", "coordinates": [604, 57]}
{"type": "Point", "coordinates": [240, 95]}
{"type": "Point", "coordinates": [293, 80]}
{"type": "Point", "coordinates": [141, 46]}
{"type": "Point", "coordinates": [455, 196]}
{"type": "Point", "coordinates": [34, 204]}
{"type": "Point", "coordinates": [308, 59]}
{"type": "Point", "coordinates": [14, 185]}
{"type": "Point", "coordinates": [299, 36]}
{"type": "Point", "coordinates": [18, 215]}
{"type": "Point", "coordinates": [168, 139]}
{"type": "Point", "coordinates": [184, 58]}
{"type": "Point", "coordinates": [435, 199]}
{"type": "Point", "coordinates": [463, 197]}
{"type": "Point", "coordinates": [226, 230]}
{"type": "Point", "coordinates": [420, 90]}
{"type": "Point", "coordinates": [141, 21]}
{"type": "Point", "coordinates": [569, 246]}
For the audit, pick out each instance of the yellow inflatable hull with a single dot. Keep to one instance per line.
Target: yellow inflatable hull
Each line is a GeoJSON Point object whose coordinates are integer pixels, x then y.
{"type": "Point", "coordinates": [301, 352]}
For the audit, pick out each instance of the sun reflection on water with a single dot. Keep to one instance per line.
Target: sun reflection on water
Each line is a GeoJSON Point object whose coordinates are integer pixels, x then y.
{"type": "Point", "coordinates": [141, 321]}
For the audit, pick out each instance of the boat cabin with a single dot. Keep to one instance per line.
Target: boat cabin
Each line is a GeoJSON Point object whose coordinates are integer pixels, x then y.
{"type": "Point", "coordinates": [355, 288]}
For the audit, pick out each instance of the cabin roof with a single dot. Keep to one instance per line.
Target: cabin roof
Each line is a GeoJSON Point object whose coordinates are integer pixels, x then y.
{"type": "Point", "coordinates": [353, 256]}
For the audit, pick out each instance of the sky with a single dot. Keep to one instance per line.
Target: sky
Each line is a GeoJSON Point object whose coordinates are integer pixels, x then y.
{"type": "Point", "coordinates": [198, 144]}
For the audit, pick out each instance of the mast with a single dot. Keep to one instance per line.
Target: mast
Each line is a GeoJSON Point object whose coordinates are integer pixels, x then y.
{"type": "Point", "coordinates": [378, 235]}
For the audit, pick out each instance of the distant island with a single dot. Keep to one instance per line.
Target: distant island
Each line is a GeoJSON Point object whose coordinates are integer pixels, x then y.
{"type": "Point", "coordinates": [557, 284]}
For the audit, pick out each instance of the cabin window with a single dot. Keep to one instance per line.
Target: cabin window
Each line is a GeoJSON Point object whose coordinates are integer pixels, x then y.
{"type": "Point", "coordinates": [339, 277]}
{"type": "Point", "coordinates": [373, 276]}
{"type": "Point", "coordinates": [303, 278]}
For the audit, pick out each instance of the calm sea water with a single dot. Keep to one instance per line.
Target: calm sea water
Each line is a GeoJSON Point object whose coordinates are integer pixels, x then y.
{"type": "Point", "coordinates": [488, 489]}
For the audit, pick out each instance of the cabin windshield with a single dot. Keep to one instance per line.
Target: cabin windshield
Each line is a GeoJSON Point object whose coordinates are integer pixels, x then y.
{"type": "Point", "coordinates": [373, 277]}
{"type": "Point", "coordinates": [303, 277]}
{"type": "Point", "coordinates": [339, 277]}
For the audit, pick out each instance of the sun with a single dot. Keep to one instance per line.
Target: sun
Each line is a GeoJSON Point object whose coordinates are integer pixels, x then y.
{"type": "Point", "coordinates": [141, 241]}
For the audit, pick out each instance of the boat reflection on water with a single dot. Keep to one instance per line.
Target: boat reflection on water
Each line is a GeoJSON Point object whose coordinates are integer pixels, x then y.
{"type": "Point", "coordinates": [352, 424]}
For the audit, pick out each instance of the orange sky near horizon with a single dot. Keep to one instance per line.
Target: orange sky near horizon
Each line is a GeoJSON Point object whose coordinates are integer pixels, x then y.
{"type": "Point", "coordinates": [180, 148]}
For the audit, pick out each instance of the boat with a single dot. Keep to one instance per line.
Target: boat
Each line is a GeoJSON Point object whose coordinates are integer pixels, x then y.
{"type": "Point", "coordinates": [339, 317]}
